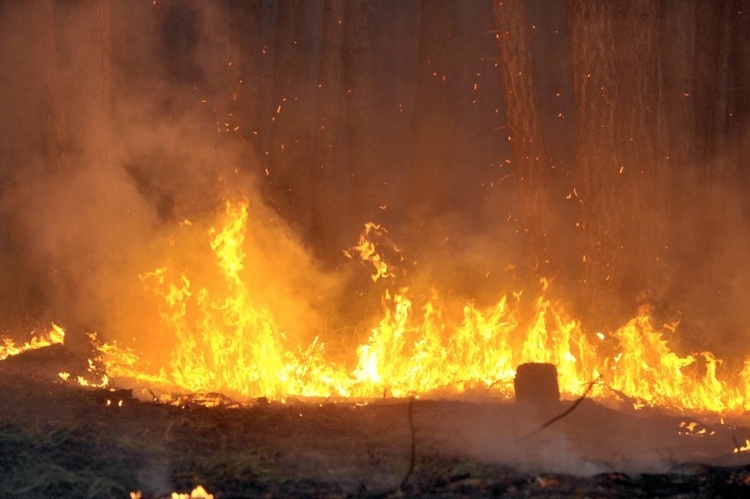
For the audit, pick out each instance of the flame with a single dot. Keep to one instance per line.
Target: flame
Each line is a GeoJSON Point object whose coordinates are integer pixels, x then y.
{"type": "Point", "coordinates": [197, 493]}
{"type": "Point", "coordinates": [225, 341]}
{"type": "Point", "coordinates": [55, 335]}
{"type": "Point", "coordinates": [366, 252]}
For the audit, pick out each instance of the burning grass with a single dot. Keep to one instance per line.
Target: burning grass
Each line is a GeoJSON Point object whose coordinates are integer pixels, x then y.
{"type": "Point", "coordinates": [54, 336]}
{"type": "Point", "coordinates": [307, 423]}
{"type": "Point", "coordinates": [223, 336]}
{"type": "Point", "coordinates": [218, 330]}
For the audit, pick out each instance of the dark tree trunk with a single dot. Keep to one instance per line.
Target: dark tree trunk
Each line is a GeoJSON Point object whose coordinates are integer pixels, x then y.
{"type": "Point", "coordinates": [245, 34]}
{"type": "Point", "coordinates": [89, 122]}
{"type": "Point", "coordinates": [95, 90]}
{"type": "Point", "coordinates": [344, 147]}
{"type": "Point", "coordinates": [619, 150]}
{"type": "Point", "coordinates": [55, 139]}
{"type": "Point", "coordinates": [83, 103]}
{"type": "Point", "coordinates": [739, 84]}
{"type": "Point", "coordinates": [738, 113]}
{"type": "Point", "coordinates": [711, 71]}
{"type": "Point", "coordinates": [293, 114]}
{"type": "Point", "coordinates": [436, 106]}
{"type": "Point", "coordinates": [530, 155]}
{"type": "Point", "coordinates": [359, 111]}
{"type": "Point", "coordinates": [677, 60]}
{"type": "Point", "coordinates": [330, 178]}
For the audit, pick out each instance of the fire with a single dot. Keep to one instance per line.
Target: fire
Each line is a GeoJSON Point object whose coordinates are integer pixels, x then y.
{"type": "Point", "coordinates": [225, 341]}
{"type": "Point", "coordinates": [55, 335]}
{"type": "Point", "coordinates": [366, 252]}
{"type": "Point", "coordinates": [197, 493]}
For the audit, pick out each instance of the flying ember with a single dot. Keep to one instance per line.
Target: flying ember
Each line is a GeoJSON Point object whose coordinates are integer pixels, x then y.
{"type": "Point", "coordinates": [225, 340]}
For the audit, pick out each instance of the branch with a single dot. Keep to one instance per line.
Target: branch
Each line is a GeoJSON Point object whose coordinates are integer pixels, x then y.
{"type": "Point", "coordinates": [413, 450]}
{"type": "Point", "coordinates": [568, 411]}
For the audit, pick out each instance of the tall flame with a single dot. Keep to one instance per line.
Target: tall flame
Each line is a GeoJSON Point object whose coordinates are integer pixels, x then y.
{"type": "Point", "coordinates": [224, 341]}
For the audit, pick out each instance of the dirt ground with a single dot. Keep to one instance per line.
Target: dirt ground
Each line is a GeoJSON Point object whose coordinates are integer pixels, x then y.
{"type": "Point", "coordinates": [61, 440]}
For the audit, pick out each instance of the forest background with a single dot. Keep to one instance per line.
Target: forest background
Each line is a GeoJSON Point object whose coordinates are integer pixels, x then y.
{"type": "Point", "coordinates": [601, 145]}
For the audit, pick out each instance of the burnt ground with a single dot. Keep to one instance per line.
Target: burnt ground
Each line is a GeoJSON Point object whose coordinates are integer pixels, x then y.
{"type": "Point", "coordinates": [62, 440]}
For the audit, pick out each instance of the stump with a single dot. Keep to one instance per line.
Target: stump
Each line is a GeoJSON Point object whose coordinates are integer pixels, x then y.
{"type": "Point", "coordinates": [537, 383]}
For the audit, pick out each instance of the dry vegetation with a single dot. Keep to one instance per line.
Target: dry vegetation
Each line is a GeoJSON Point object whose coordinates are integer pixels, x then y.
{"type": "Point", "coordinates": [61, 440]}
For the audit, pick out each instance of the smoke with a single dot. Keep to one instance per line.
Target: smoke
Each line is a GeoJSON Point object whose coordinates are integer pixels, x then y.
{"type": "Point", "coordinates": [590, 440]}
{"type": "Point", "coordinates": [79, 231]}
{"type": "Point", "coordinates": [706, 278]}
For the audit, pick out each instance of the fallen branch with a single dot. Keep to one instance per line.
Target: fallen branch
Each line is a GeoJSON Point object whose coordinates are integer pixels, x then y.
{"type": "Point", "coordinates": [413, 451]}
{"type": "Point", "coordinates": [562, 415]}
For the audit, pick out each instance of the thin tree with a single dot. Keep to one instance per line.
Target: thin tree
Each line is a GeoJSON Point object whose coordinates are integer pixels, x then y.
{"type": "Point", "coordinates": [95, 91]}
{"type": "Point", "coordinates": [436, 106]}
{"type": "Point", "coordinates": [524, 116]}
{"type": "Point", "coordinates": [245, 29]}
{"type": "Point", "coordinates": [330, 179]}
{"type": "Point", "coordinates": [358, 86]}
{"type": "Point", "coordinates": [292, 114]}
{"type": "Point", "coordinates": [55, 139]}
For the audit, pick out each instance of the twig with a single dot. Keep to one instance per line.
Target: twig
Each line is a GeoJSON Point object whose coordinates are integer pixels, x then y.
{"type": "Point", "coordinates": [492, 385]}
{"type": "Point", "coordinates": [413, 449]}
{"type": "Point", "coordinates": [563, 414]}
{"type": "Point", "coordinates": [737, 445]}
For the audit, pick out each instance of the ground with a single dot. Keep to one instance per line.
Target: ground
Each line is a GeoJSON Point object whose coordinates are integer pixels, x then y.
{"type": "Point", "coordinates": [62, 440]}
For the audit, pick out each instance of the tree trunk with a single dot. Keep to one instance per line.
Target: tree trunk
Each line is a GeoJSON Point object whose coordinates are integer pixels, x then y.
{"type": "Point", "coordinates": [55, 139]}
{"type": "Point", "coordinates": [619, 150]}
{"type": "Point", "coordinates": [95, 91]}
{"type": "Point", "coordinates": [711, 72]}
{"type": "Point", "coordinates": [330, 177]}
{"type": "Point", "coordinates": [678, 57]}
{"type": "Point", "coordinates": [436, 106]}
{"type": "Point", "coordinates": [292, 115]}
{"type": "Point", "coordinates": [359, 111]}
{"type": "Point", "coordinates": [523, 112]}
{"type": "Point", "coordinates": [245, 30]}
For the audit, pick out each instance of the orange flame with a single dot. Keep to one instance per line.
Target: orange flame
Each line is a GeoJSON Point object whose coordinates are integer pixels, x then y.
{"type": "Point", "coordinates": [55, 335]}
{"type": "Point", "coordinates": [366, 252]}
{"type": "Point", "coordinates": [226, 342]}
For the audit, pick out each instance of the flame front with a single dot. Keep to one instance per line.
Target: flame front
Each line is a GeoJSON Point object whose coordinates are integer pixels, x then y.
{"type": "Point", "coordinates": [227, 342]}
{"type": "Point", "coordinates": [55, 335]}
{"type": "Point", "coordinates": [224, 341]}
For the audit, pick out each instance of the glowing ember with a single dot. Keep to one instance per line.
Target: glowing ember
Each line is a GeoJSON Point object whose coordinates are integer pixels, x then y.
{"type": "Point", "coordinates": [227, 342]}
{"type": "Point", "coordinates": [55, 335]}
{"type": "Point", "coordinates": [198, 493]}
